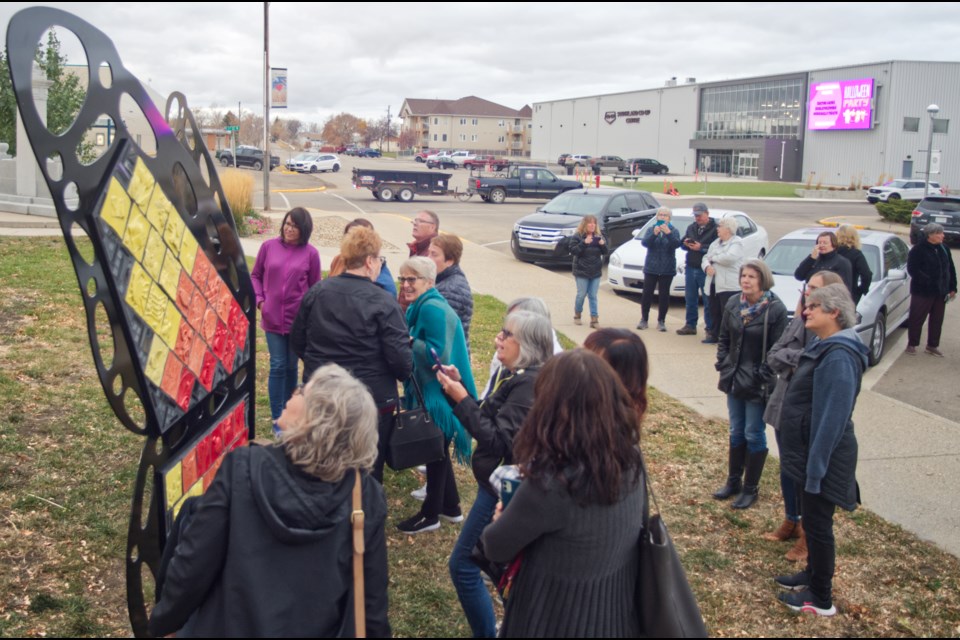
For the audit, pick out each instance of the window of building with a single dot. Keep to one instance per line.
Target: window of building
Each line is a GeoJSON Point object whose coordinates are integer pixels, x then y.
{"type": "Point", "coordinates": [444, 139]}
{"type": "Point", "coordinates": [474, 122]}
{"type": "Point", "coordinates": [501, 123]}
{"type": "Point", "coordinates": [941, 125]}
{"type": "Point", "coordinates": [436, 121]}
{"type": "Point", "coordinates": [463, 121]}
{"type": "Point", "coordinates": [768, 109]}
{"type": "Point", "coordinates": [463, 137]}
{"type": "Point", "coordinates": [434, 137]}
{"type": "Point", "coordinates": [502, 139]}
{"type": "Point", "coordinates": [911, 125]}
{"type": "Point", "coordinates": [474, 138]}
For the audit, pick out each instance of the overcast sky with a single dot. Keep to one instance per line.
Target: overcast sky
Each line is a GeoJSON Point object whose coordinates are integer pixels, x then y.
{"type": "Point", "coordinates": [362, 57]}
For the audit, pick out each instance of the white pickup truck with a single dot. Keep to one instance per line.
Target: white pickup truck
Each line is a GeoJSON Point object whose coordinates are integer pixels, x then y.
{"type": "Point", "coordinates": [462, 156]}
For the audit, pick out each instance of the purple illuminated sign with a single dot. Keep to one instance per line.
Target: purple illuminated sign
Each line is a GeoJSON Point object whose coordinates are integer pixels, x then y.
{"type": "Point", "coordinates": [843, 104]}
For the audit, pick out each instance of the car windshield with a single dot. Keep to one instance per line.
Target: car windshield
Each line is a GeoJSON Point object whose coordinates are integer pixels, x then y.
{"type": "Point", "coordinates": [899, 184]}
{"type": "Point", "coordinates": [577, 204]}
{"type": "Point", "coordinates": [786, 256]}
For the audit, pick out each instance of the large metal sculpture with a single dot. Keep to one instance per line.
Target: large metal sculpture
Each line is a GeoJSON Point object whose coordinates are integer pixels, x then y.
{"type": "Point", "coordinates": [167, 273]}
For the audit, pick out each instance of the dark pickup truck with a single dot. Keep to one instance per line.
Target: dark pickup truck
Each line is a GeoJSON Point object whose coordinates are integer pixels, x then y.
{"type": "Point", "coordinates": [246, 157]}
{"type": "Point", "coordinates": [522, 182]}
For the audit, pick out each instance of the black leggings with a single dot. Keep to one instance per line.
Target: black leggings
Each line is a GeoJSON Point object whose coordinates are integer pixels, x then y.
{"type": "Point", "coordinates": [662, 283]}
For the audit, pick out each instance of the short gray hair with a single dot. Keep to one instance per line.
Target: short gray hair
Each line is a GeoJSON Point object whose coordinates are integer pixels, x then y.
{"type": "Point", "coordinates": [931, 229]}
{"type": "Point", "coordinates": [530, 303]}
{"type": "Point", "coordinates": [667, 211]}
{"type": "Point", "coordinates": [766, 276]}
{"type": "Point", "coordinates": [534, 334]}
{"type": "Point", "coordinates": [730, 224]}
{"type": "Point", "coordinates": [339, 431]}
{"type": "Point", "coordinates": [423, 267]}
{"type": "Point", "coordinates": [836, 297]}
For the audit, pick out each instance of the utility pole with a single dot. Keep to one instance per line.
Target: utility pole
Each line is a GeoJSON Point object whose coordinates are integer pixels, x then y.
{"type": "Point", "coordinates": [266, 106]}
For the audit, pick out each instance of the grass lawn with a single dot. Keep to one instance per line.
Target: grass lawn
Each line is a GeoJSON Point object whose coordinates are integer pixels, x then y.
{"type": "Point", "coordinates": [750, 189]}
{"type": "Point", "coordinates": [67, 469]}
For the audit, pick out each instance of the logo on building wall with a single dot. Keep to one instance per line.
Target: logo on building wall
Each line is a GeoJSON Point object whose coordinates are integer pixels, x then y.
{"type": "Point", "coordinates": [631, 117]}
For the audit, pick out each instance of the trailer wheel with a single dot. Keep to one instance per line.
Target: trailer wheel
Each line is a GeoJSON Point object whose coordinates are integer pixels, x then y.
{"type": "Point", "coordinates": [498, 195]}
{"type": "Point", "coordinates": [405, 194]}
{"type": "Point", "coordinates": [385, 193]}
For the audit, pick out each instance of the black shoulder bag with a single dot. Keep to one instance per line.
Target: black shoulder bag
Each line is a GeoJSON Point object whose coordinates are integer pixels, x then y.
{"type": "Point", "coordinates": [414, 439]}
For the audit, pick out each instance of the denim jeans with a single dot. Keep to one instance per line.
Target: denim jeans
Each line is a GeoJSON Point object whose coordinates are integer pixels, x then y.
{"type": "Point", "coordinates": [473, 593]}
{"type": "Point", "coordinates": [821, 545]}
{"type": "Point", "coordinates": [789, 489]}
{"type": "Point", "coordinates": [283, 372]}
{"type": "Point", "coordinates": [746, 424]}
{"type": "Point", "coordinates": [694, 280]}
{"type": "Point", "coordinates": [587, 288]}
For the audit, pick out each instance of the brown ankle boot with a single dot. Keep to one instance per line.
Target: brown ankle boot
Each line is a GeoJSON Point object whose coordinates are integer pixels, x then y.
{"type": "Point", "coordinates": [799, 551]}
{"type": "Point", "coordinates": [787, 530]}
{"type": "Point", "coordinates": [576, 318]}
{"type": "Point", "coordinates": [594, 322]}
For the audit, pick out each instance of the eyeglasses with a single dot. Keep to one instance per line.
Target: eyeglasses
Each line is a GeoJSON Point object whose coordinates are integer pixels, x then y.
{"type": "Point", "coordinates": [418, 221]}
{"type": "Point", "coordinates": [409, 279]}
{"type": "Point", "coordinates": [290, 225]}
{"type": "Point", "coordinates": [812, 306]}
{"type": "Point", "coordinates": [506, 333]}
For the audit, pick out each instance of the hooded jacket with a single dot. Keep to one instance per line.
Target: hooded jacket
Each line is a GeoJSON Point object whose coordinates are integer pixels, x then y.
{"type": "Point", "coordinates": [818, 447]}
{"type": "Point", "coordinates": [453, 286]}
{"type": "Point", "coordinates": [267, 553]}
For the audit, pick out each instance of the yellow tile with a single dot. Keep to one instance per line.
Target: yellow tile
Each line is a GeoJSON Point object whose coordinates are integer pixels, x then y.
{"type": "Point", "coordinates": [159, 210]}
{"type": "Point", "coordinates": [173, 484]}
{"type": "Point", "coordinates": [173, 234]}
{"type": "Point", "coordinates": [188, 251]}
{"type": "Point", "coordinates": [138, 230]}
{"type": "Point", "coordinates": [141, 185]}
{"type": "Point", "coordinates": [170, 274]}
{"type": "Point", "coordinates": [138, 291]}
{"type": "Point", "coordinates": [156, 362]}
{"type": "Point", "coordinates": [170, 329]}
{"type": "Point", "coordinates": [116, 207]}
{"type": "Point", "coordinates": [153, 256]}
{"type": "Point", "coordinates": [196, 489]}
{"type": "Point", "coordinates": [155, 310]}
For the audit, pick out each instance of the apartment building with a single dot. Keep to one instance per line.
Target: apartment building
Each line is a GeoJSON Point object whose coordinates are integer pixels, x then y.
{"type": "Point", "coordinates": [469, 123]}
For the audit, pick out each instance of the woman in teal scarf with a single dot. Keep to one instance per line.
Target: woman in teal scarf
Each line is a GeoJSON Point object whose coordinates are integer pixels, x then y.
{"type": "Point", "coordinates": [434, 325]}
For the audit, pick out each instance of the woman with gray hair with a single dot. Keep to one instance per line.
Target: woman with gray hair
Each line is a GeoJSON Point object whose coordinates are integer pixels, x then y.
{"type": "Point", "coordinates": [523, 345]}
{"type": "Point", "coordinates": [274, 528]}
{"type": "Point", "coordinates": [818, 444]}
{"type": "Point", "coordinates": [659, 267]}
{"type": "Point", "coordinates": [722, 263]}
{"type": "Point", "coordinates": [933, 283]}
{"type": "Point", "coordinates": [435, 329]}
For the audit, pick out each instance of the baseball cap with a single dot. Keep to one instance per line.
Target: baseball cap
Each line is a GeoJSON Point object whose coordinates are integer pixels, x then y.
{"type": "Point", "coordinates": [700, 208]}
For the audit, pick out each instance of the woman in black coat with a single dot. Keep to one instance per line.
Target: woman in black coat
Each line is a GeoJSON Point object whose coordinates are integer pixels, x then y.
{"type": "Point", "coordinates": [824, 257]}
{"type": "Point", "coordinates": [849, 247]}
{"type": "Point", "coordinates": [933, 283]}
{"type": "Point", "coordinates": [752, 323]}
{"type": "Point", "coordinates": [587, 247]}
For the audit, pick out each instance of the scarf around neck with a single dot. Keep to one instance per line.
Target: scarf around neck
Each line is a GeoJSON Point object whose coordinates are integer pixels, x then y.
{"type": "Point", "coordinates": [749, 312]}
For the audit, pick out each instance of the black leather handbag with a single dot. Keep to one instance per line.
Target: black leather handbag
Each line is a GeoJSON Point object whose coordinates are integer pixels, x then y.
{"type": "Point", "coordinates": [414, 438]}
{"type": "Point", "coordinates": [665, 603]}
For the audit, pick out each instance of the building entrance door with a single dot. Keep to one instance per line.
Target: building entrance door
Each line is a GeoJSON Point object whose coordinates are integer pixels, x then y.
{"type": "Point", "coordinates": [907, 169]}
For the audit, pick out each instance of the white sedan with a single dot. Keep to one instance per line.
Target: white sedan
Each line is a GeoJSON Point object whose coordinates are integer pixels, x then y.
{"type": "Point", "coordinates": [318, 162]}
{"type": "Point", "coordinates": [625, 272]}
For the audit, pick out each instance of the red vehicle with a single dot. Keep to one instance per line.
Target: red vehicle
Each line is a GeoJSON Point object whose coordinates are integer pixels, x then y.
{"type": "Point", "coordinates": [481, 162]}
{"type": "Point", "coordinates": [422, 156]}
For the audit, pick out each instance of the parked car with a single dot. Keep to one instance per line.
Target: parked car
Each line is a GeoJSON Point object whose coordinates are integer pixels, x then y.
{"type": "Point", "coordinates": [536, 237]}
{"type": "Point", "coordinates": [607, 161]}
{"type": "Point", "coordinates": [645, 165]}
{"type": "Point", "coordinates": [480, 162]}
{"type": "Point", "coordinates": [905, 189]}
{"type": "Point", "coordinates": [441, 162]}
{"type": "Point", "coordinates": [247, 157]}
{"type": "Point", "coordinates": [943, 210]}
{"type": "Point", "coordinates": [289, 164]}
{"type": "Point", "coordinates": [885, 307]}
{"type": "Point", "coordinates": [579, 159]}
{"type": "Point", "coordinates": [422, 155]}
{"type": "Point", "coordinates": [368, 153]}
{"type": "Point", "coordinates": [625, 272]}
{"type": "Point", "coordinates": [319, 162]}
{"type": "Point", "coordinates": [462, 156]}
{"type": "Point", "coordinates": [562, 160]}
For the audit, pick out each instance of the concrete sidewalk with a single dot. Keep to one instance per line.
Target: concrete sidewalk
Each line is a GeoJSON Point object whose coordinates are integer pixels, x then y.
{"type": "Point", "coordinates": [909, 458]}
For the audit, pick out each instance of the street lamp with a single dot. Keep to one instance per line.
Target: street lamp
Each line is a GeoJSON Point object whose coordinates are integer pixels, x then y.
{"type": "Point", "coordinates": [933, 110]}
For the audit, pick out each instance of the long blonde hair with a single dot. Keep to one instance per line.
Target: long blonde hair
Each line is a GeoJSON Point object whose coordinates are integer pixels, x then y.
{"type": "Point", "coordinates": [582, 227]}
{"type": "Point", "coordinates": [847, 236]}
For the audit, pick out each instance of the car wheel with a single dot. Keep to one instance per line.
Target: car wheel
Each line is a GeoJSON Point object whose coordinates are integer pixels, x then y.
{"type": "Point", "coordinates": [405, 195]}
{"type": "Point", "coordinates": [336, 168]}
{"type": "Point", "coordinates": [893, 196]}
{"type": "Point", "coordinates": [497, 196]}
{"type": "Point", "coordinates": [385, 193]}
{"type": "Point", "coordinates": [313, 169]}
{"type": "Point", "coordinates": [484, 198]}
{"type": "Point", "coordinates": [879, 339]}
{"type": "Point", "coordinates": [225, 162]}
{"type": "Point", "coordinates": [418, 159]}
{"type": "Point", "coordinates": [257, 165]}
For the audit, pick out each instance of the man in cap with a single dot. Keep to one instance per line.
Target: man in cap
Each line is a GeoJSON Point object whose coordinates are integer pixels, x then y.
{"type": "Point", "coordinates": [695, 242]}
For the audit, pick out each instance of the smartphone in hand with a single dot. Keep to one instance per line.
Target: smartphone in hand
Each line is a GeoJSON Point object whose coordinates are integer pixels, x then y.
{"type": "Point", "coordinates": [508, 486]}
{"type": "Point", "coordinates": [436, 358]}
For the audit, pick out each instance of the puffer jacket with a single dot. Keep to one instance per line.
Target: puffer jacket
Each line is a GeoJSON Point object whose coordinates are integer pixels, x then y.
{"type": "Point", "coordinates": [587, 258]}
{"type": "Point", "coordinates": [726, 258]}
{"type": "Point", "coordinates": [741, 356]}
{"type": "Point", "coordinates": [453, 286]}
{"type": "Point", "coordinates": [661, 257]}
{"type": "Point", "coordinates": [832, 261]}
{"type": "Point", "coordinates": [818, 447]}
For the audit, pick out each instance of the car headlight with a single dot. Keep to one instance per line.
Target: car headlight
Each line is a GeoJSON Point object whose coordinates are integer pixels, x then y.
{"type": "Point", "coordinates": [616, 261]}
{"type": "Point", "coordinates": [516, 227]}
{"type": "Point", "coordinates": [568, 232]}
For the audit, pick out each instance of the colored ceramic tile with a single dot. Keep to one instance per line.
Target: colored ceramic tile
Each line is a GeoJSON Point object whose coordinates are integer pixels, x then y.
{"type": "Point", "coordinates": [138, 290]}
{"type": "Point", "coordinates": [207, 370]}
{"type": "Point", "coordinates": [173, 234]}
{"type": "Point", "coordinates": [153, 254]}
{"type": "Point", "coordinates": [138, 230]}
{"type": "Point", "coordinates": [160, 210]}
{"type": "Point", "coordinates": [198, 308]}
{"type": "Point", "coordinates": [156, 362]}
{"type": "Point", "coordinates": [170, 328]}
{"type": "Point", "coordinates": [209, 325]}
{"type": "Point", "coordinates": [172, 373]}
{"type": "Point", "coordinates": [116, 207]}
{"type": "Point", "coordinates": [185, 290]}
{"type": "Point", "coordinates": [155, 310]}
{"type": "Point", "coordinates": [185, 392]}
{"type": "Point", "coordinates": [170, 274]}
{"type": "Point", "coordinates": [188, 251]}
{"type": "Point", "coordinates": [173, 485]}
{"type": "Point", "coordinates": [189, 465]}
{"type": "Point", "coordinates": [141, 185]}
{"type": "Point", "coordinates": [185, 340]}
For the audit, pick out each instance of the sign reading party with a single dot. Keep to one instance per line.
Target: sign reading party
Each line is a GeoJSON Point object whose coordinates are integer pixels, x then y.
{"type": "Point", "coordinates": [843, 104]}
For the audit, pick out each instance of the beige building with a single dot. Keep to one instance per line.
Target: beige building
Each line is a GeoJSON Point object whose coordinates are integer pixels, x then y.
{"type": "Point", "coordinates": [469, 123]}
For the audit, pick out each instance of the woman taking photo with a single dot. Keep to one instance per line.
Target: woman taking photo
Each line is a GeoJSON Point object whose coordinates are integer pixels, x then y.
{"type": "Point", "coordinates": [824, 257]}
{"type": "Point", "coordinates": [434, 326]}
{"type": "Point", "coordinates": [660, 266]}
{"type": "Point", "coordinates": [285, 269]}
{"type": "Point", "coordinates": [752, 323]}
{"type": "Point", "coordinates": [722, 263]}
{"type": "Point", "coordinates": [446, 250]}
{"type": "Point", "coordinates": [819, 449]}
{"type": "Point", "coordinates": [587, 247]}
{"type": "Point", "coordinates": [523, 345]}
{"type": "Point", "coordinates": [848, 241]}
{"type": "Point", "coordinates": [266, 551]}
{"type": "Point", "coordinates": [350, 321]}
{"type": "Point", "coordinates": [578, 512]}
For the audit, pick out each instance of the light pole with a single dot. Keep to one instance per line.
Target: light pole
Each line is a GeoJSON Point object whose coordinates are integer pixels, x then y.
{"type": "Point", "coordinates": [933, 110]}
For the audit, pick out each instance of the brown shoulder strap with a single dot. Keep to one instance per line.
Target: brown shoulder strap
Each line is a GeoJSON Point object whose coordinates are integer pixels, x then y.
{"type": "Point", "coordinates": [356, 518]}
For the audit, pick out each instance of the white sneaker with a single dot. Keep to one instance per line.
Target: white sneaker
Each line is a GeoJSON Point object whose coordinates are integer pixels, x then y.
{"type": "Point", "coordinates": [419, 494]}
{"type": "Point", "coordinates": [422, 469]}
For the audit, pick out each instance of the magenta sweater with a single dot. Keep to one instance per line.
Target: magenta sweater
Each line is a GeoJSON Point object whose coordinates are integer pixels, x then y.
{"type": "Point", "coordinates": [281, 277]}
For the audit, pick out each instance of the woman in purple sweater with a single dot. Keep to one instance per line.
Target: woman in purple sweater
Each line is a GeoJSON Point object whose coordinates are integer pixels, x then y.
{"type": "Point", "coordinates": [285, 269]}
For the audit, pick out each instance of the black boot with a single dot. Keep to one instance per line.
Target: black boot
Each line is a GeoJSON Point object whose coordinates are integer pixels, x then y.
{"type": "Point", "coordinates": [735, 466]}
{"type": "Point", "coordinates": [751, 480]}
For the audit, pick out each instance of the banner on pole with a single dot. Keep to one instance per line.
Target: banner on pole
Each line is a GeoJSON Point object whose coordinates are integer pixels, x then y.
{"type": "Point", "coordinates": [278, 92]}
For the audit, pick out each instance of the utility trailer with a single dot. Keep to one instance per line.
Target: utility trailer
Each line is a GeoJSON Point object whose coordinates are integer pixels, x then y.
{"type": "Point", "coordinates": [402, 185]}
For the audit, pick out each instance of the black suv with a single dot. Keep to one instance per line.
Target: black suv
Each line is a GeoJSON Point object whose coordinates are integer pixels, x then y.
{"type": "Point", "coordinates": [536, 237]}
{"type": "Point", "coordinates": [247, 157]}
{"type": "Point", "coordinates": [943, 210]}
{"type": "Point", "coordinates": [645, 165]}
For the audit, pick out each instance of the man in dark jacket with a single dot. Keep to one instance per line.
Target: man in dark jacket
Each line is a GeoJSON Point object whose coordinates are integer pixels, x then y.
{"type": "Point", "coordinates": [695, 242]}
{"type": "Point", "coordinates": [825, 257]}
{"type": "Point", "coordinates": [933, 283]}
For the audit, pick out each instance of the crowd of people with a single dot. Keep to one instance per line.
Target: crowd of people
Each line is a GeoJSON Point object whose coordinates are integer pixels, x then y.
{"type": "Point", "coordinates": [266, 551]}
